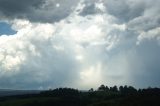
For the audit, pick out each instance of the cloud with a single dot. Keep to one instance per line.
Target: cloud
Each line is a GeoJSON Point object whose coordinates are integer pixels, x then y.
{"type": "Point", "coordinates": [125, 10]}
{"type": "Point", "coordinates": [85, 45]}
{"type": "Point", "coordinates": [91, 8]}
{"type": "Point", "coordinates": [34, 59]}
{"type": "Point", "coordinates": [52, 54]}
{"type": "Point", "coordinates": [151, 34]}
{"type": "Point", "coordinates": [37, 10]}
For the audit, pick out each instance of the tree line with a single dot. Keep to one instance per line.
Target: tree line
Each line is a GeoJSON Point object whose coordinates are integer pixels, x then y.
{"type": "Point", "coordinates": [102, 96]}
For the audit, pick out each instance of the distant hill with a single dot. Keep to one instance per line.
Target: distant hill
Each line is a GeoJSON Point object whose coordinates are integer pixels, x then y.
{"type": "Point", "coordinates": [9, 92]}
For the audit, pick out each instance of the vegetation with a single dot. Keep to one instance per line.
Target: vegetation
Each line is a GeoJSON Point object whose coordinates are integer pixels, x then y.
{"type": "Point", "coordinates": [103, 96]}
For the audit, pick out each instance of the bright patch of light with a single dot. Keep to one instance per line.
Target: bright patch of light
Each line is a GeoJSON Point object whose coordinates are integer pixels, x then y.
{"type": "Point", "coordinates": [79, 57]}
{"type": "Point", "coordinates": [100, 6]}
{"type": "Point", "coordinates": [57, 5]}
{"type": "Point", "coordinates": [92, 75]}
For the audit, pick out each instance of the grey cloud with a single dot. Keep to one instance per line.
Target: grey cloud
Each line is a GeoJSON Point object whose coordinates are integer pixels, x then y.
{"type": "Point", "coordinates": [125, 10]}
{"type": "Point", "coordinates": [144, 23]}
{"type": "Point", "coordinates": [139, 15]}
{"type": "Point", "coordinates": [132, 64]}
{"type": "Point", "coordinates": [17, 8]}
{"type": "Point", "coordinates": [37, 10]}
{"type": "Point", "coordinates": [52, 68]}
{"type": "Point", "coordinates": [90, 8]}
{"type": "Point", "coordinates": [148, 21]}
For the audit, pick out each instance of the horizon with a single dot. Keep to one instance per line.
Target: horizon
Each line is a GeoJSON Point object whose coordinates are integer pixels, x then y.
{"type": "Point", "coordinates": [79, 43]}
{"type": "Point", "coordinates": [94, 89]}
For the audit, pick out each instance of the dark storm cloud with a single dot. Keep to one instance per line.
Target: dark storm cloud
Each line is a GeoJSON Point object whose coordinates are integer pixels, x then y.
{"type": "Point", "coordinates": [18, 8]}
{"type": "Point", "coordinates": [88, 10]}
{"type": "Point", "coordinates": [37, 10]}
{"type": "Point", "coordinates": [125, 10]}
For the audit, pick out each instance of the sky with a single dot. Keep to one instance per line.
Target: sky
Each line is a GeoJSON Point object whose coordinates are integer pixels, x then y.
{"type": "Point", "coordinates": [79, 43]}
{"type": "Point", "coordinates": [6, 29]}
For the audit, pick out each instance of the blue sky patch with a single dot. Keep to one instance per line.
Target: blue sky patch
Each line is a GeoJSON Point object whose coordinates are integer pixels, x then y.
{"type": "Point", "coordinates": [5, 29]}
